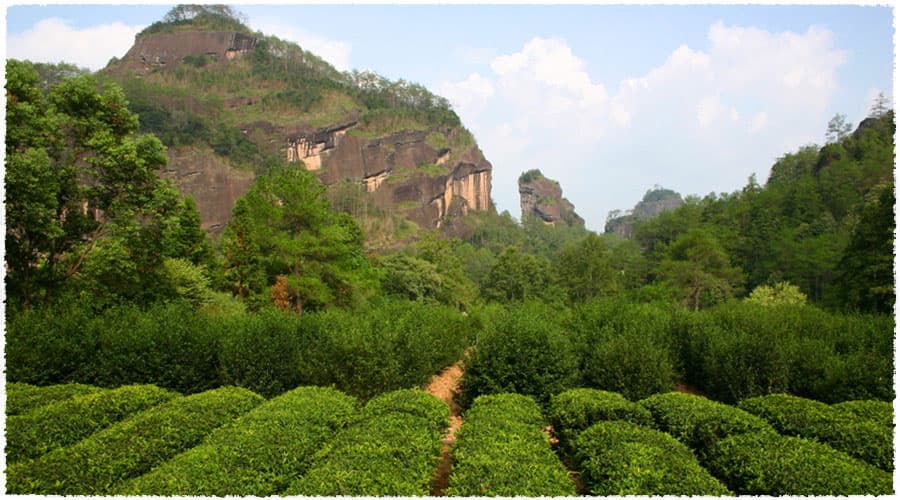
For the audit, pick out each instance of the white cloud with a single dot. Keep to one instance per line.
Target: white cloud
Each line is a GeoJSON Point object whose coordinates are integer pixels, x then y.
{"type": "Point", "coordinates": [336, 52]}
{"type": "Point", "coordinates": [54, 40]}
{"type": "Point", "coordinates": [759, 122]}
{"type": "Point", "coordinates": [470, 95]}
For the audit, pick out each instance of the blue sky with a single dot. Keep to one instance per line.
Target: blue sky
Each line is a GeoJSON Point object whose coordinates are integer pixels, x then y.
{"type": "Point", "coordinates": [608, 99]}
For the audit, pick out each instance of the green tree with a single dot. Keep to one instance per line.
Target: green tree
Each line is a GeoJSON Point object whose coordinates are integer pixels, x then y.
{"type": "Point", "coordinates": [75, 170]}
{"type": "Point", "coordinates": [585, 269]}
{"type": "Point", "coordinates": [699, 267]}
{"type": "Point", "coordinates": [284, 227]}
{"type": "Point", "coordinates": [517, 277]}
{"type": "Point", "coordinates": [838, 128]}
{"type": "Point", "coordinates": [777, 294]}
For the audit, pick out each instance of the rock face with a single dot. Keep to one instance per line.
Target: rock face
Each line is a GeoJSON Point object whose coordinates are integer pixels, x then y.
{"type": "Point", "coordinates": [401, 171]}
{"type": "Point", "coordinates": [428, 175]}
{"type": "Point", "coordinates": [168, 50]}
{"type": "Point", "coordinates": [542, 198]}
{"type": "Point", "coordinates": [655, 202]}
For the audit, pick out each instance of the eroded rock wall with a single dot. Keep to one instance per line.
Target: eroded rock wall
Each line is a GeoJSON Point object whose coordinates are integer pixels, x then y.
{"type": "Point", "coordinates": [542, 198]}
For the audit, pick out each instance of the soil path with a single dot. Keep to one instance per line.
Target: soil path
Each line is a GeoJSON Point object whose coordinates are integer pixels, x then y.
{"type": "Point", "coordinates": [445, 387]}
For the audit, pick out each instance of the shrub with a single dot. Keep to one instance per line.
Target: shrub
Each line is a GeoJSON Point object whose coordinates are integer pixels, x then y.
{"type": "Point", "coordinates": [262, 352]}
{"type": "Point", "coordinates": [384, 454]}
{"type": "Point", "coordinates": [575, 410]}
{"type": "Point", "coordinates": [259, 453]}
{"type": "Point", "coordinates": [415, 402]}
{"type": "Point", "coordinates": [66, 422]}
{"type": "Point", "coordinates": [699, 422]}
{"type": "Point", "coordinates": [22, 397]}
{"type": "Point", "coordinates": [130, 448]}
{"type": "Point", "coordinates": [501, 451]}
{"type": "Point", "coordinates": [523, 350]}
{"type": "Point", "coordinates": [880, 412]}
{"type": "Point", "coordinates": [621, 458]}
{"type": "Point", "coordinates": [795, 416]}
{"type": "Point", "coordinates": [765, 463]}
{"type": "Point", "coordinates": [625, 348]}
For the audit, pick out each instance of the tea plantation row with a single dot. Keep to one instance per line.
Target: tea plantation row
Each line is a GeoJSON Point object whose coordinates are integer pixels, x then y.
{"type": "Point", "coordinates": [142, 440]}
{"type": "Point", "coordinates": [731, 352]}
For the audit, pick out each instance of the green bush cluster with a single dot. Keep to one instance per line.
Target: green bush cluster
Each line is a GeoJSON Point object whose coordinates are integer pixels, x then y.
{"type": "Point", "coordinates": [765, 463]}
{"type": "Point", "coordinates": [500, 450]}
{"type": "Point", "coordinates": [699, 422]}
{"type": "Point", "coordinates": [22, 397]}
{"type": "Point", "coordinates": [575, 410]}
{"type": "Point", "coordinates": [622, 458]}
{"type": "Point", "coordinates": [387, 346]}
{"type": "Point", "coordinates": [741, 350]}
{"type": "Point", "coordinates": [95, 465]}
{"type": "Point", "coordinates": [625, 347]}
{"type": "Point", "coordinates": [522, 349]}
{"type": "Point", "coordinates": [843, 431]}
{"type": "Point", "coordinates": [881, 412]}
{"type": "Point", "coordinates": [65, 422]}
{"type": "Point", "coordinates": [385, 453]}
{"type": "Point", "coordinates": [259, 454]}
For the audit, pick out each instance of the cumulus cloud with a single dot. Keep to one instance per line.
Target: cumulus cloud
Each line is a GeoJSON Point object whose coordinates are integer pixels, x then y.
{"type": "Point", "coordinates": [470, 95]}
{"type": "Point", "coordinates": [335, 52]}
{"type": "Point", "coordinates": [54, 40]}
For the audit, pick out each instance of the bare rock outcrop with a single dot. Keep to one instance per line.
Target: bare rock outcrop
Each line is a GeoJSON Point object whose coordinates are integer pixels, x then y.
{"type": "Point", "coordinates": [168, 50]}
{"type": "Point", "coordinates": [542, 198]}
{"type": "Point", "coordinates": [655, 202]}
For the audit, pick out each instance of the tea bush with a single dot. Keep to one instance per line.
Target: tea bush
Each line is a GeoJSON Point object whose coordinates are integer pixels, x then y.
{"type": "Point", "coordinates": [621, 458]}
{"type": "Point", "coordinates": [384, 454]}
{"type": "Point", "coordinates": [66, 422]}
{"type": "Point", "coordinates": [22, 397]}
{"type": "Point", "coordinates": [856, 436]}
{"type": "Point", "coordinates": [414, 402]}
{"type": "Point", "coordinates": [523, 350]}
{"type": "Point", "coordinates": [699, 422]}
{"type": "Point", "coordinates": [625, 348]}
{"type": "Point", "coordinates": [741, 350]}
{"type": "Point", "coordinates": [880, 412]}
{"type": "Point", "coordinates": [765, 463]}
{"type": "Point", "coordinates": [575, 410]}
{"type": "Point", "coordinates": [259, 454]}
{"type": "Point", "coordinates": [501, 451]}
{"type": "Point", "coordinates": [130, 448]}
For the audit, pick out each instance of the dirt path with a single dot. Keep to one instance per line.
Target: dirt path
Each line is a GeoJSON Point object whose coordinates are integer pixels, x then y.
{"type": "Point", "coordinates": [445, 386]}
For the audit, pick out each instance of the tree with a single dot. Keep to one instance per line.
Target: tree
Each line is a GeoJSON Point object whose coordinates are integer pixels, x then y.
{"type": "Point", "coordinates": [584, 269]}
{"type": "Point", "coordinates": [880, 106]}
{"type": "Point", "coordinates": [777, 294]}
{"type": "Point", "coordinates": [517, 277]}
{"type": "Point", "coordinates": [838, 129]}
{"type": "Point", "coordinates": [284, 227]}
{"type": "Point", "coordinates": [699, 267]}
{"type": "Point", "coordinates": [75, 171]}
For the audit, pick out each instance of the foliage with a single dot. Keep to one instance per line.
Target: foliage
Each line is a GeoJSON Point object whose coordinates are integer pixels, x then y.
{"type": "Point", "coordinates": [22, 398]}
{"type": "Point", "coordinates": [259, 453]}
{"type": "Point", "coordinates": [524, 350]}
{"type": "Point", "coordinates": [501, 451]}
{"type": "Point", "coordinates": [389, 453]}
{"type": "Point", "coordinates": [624, 347]}
{"type": "Point", "coordinates": [415, 402]}
{"type": "Point", "coordinates": [200, 18]}
{"type": "Point", "coordinates": [518, 277]}
{"type": "Point", "coordinates": [575, 410]}
{"type": "Point", "coordinates": [585, 269]}
{"type": "Point", "coordinates": [764, 463]}
{"type": "Point", "coordinates": [621, 458]}
{"type": "Point", "coordinates": [855, 436]}
{"type": "Point", "coordinates": [880, 412]}
{"type": "Point", "coordinates": [75, 170]}
{"type": "Point", "coordinates": [779, 293]}
{"type": "Point", "coordinates": [284, 226]}
{"type": "Point", "coordinates": [699, 267]}
{"type": "Point", "coordinates": [741, 350]}
{"type": "Point", "coordinates": [698, 422]}
{"type": "Point", "coordinates": [130, 448]}
{"type": "Point", "coordinates": [66, 422]}
{"type": "Point", "coordinates": [415, 279]}
{"type": "Point", "coordinates": [530, 176]}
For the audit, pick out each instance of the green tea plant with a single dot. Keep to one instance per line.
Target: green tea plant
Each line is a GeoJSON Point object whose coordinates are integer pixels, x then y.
{"type": "Point", "coordinates": [855, 436]}
{"type": "Point", "coordinates": [258, 454]}
{"type": "Point", "coordinates": [621, 458]}
{"type": "Point", "coordinates": [65, 422]}
{"type": "Point", "coordinates": [501, 451]}
{"type": "Point", "coordinates": [881, 412]}
{"type": "Point", "coordinates": [575, 410]}
{"type": "Point", "coordinates": [95, 465]}
{"type": "Point", "coordinates": [765, 463]}
{"type": "Point", "coordinates": [22, 397]}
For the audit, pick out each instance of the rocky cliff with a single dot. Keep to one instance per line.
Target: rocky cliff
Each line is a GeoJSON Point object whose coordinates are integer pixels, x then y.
{"type": "Point", "coordinates": [655, 202]}
{"type": "Point", "coordinates": [286, 104]}
{"type": "Point", "coordinates": [542, 198]}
